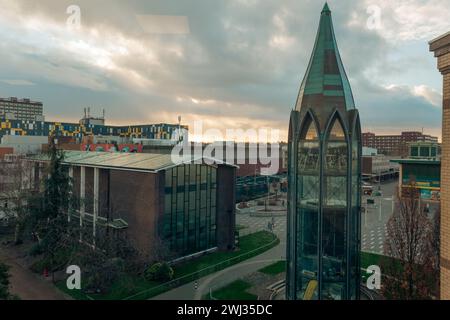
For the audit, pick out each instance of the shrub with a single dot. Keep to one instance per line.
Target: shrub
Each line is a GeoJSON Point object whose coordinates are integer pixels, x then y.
{"type": "Point", "coordinates": [159, 272]}
{"type": "Point", "coordinates": [101, 274]}
{"type": "Point", "coordinates": [36, 250]}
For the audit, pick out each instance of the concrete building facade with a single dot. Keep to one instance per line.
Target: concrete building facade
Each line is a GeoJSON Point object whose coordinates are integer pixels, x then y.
{"type": "Point", "coordinates": [21, 109]}
{"type": "Point", "coordinates": [441, 48]}
{"type": "Point", "coordinates": [379, 167]}
{"type": "Point", "coordinates": [24, 145]}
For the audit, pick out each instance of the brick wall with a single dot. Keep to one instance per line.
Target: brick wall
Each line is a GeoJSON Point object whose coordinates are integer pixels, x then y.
{"type": "Point", "coordinates": [441, 48]}
{"type": "Point", "coordinates": [445, 185]}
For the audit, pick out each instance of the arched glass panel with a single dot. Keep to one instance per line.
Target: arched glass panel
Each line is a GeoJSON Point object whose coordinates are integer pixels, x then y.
{"type": "Point", "coordinates": [311, 133]}
{"type": "Point", "coordinates": [337, 133]}
{"type": "Point", "coordinates": [334, 231]}
{"type": "Point", "coordinates": [308, 192]}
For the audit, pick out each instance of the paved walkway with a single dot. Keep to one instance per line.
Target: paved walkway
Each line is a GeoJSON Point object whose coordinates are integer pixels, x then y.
{"type": "Point", "coordinates": [27, 285]}
{"type": "Point", "coordinates": [197, 289]}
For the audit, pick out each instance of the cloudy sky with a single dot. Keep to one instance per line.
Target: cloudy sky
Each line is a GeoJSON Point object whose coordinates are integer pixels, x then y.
{"type": "Point", "coordinates": [230, 63]}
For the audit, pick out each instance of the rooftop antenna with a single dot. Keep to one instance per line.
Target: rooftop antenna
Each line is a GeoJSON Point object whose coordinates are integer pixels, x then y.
{"type": "Point", "coordinates": [89, 112]}
{"type": "Point", "coordinates": [104, 113]}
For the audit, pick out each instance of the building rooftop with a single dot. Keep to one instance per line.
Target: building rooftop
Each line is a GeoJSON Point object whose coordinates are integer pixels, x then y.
{"type": "Point", "coordinates": [147, 162]}
{"type": "Point", "coordinates": [25, 100]}
{"type": "Point", "coordinates": [416, 161]}
{"type": "Point", "coordinates": [439, 38]}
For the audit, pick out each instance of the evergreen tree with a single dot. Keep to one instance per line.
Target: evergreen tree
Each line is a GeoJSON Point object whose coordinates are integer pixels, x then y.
{"type": "Point", "coordinates": [49, 212]}
{"type": "Point", "coordinates": [4, 282]}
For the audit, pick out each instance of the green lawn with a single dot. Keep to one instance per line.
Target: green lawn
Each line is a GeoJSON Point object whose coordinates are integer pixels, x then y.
{"type": "Point", "coordinates": [370, 259]}
{"type": "Point", "coordinates": [385, 263]}
{"type": "Point", "coordinates": [247, 246]}
{"type": "Point", "coordinates": [274, 269]}
{"type": "Point", "coordinates": [123, 288]}
{"type": "Point", "coordinates": [236, 290]}
{"type": "Point", "coordinates": [137, 288]}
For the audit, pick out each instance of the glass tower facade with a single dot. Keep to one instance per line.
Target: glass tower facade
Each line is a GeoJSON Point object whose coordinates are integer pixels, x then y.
{"type": "Point", "coordinates": [324, 179]}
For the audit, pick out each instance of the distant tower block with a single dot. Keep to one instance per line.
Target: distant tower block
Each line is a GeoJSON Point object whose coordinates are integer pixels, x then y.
{"type": "Point", "coordinates": [441, 48]}
{"type": "Point", "coordinates": [324, 179]}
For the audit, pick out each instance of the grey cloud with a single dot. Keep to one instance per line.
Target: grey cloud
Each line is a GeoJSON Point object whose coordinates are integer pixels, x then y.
{"type": "Point", "coordinates": [227, 59]}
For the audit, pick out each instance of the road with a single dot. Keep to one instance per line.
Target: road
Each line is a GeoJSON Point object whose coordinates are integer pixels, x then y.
{"type": "Point", "coordinates": [373, 224]}
{"type": "Point", "coordinates": [224, 277]}
{"type": "Point", "coordinates": [373, 221]}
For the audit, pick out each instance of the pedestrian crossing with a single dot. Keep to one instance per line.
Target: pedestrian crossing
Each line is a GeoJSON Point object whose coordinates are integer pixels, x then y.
{"type": "Point", "coordinates": [255, 224]}
{"type": "Point", "coordinates": [373, 240]}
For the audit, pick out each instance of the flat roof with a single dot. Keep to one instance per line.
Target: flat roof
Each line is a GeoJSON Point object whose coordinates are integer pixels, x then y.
{"type": "Point", "coordinates": [439, 37]}
{"type": "Point", "coordinates": [149, 162]}
{"type": "Point", "coordinates": [416, 161]}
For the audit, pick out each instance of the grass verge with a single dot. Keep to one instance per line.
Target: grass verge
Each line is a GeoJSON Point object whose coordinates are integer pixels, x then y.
{"type": "Point", "coordinates": [274, 269]}
{"type": "Point", "coordinates": [236, 290]}
{"type": "Point", "coordinates": [137, 288]}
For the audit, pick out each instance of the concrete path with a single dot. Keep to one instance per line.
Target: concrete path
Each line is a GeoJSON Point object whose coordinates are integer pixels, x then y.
{"type": "Point", "coordinates": [197, 289]}
{"type": "Point", "coordinates": [27, 285]}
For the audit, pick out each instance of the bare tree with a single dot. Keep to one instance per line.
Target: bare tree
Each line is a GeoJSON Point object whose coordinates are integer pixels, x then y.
{"type": "Point", "coordinates": [436, 249]}
{"type": "Point", "coordinates": [411, 244]}
{"type": "Point", "coordinates": [15, 187]}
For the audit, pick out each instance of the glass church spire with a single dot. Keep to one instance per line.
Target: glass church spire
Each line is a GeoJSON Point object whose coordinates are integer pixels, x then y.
{"type": "Point", "coordinates": [324, 198]}
{"type": "Point", "coordinates": [325, 75]}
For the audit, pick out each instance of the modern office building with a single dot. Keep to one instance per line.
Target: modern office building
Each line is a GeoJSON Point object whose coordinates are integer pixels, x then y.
{"type": "Point", "coordinates": [78, 131]}
{"type": "Point", "coordinates": [421, 170]}
{"type": "Point", "coordinates": [324, 179]}
{"type": "Point", "coordinates": [424, 150]}
{"type": "Point", "coordinates": [397, 145]}
{"type": "Point", "coordinates": [441, 48]}
{"type": "Point", "coordinates": [187, 205]}
{"type": "Point", "coordinates": [21, 109]}
{"type": "Point", "coordinates": [18, 123]}
{"type": "Point", "coordinates": [379, 168]}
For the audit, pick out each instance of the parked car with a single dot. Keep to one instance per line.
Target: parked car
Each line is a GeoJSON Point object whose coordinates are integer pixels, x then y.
{"type": "Point", "coordinates": [367, 190]}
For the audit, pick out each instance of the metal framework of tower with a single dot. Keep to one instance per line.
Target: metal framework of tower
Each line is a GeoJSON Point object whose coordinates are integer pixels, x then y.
{"type": "Point", "coordinates": [324, 200]}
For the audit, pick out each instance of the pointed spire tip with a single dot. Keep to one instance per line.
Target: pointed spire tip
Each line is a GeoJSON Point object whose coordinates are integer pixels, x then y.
{"type": "Point", "coordinates": [326, 8]}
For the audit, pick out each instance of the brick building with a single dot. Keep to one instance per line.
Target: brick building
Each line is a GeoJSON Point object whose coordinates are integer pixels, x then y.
{"type": "Point", "coordinates": [441, 48]}
{"type": "Point", "coordinates": [397, 145]}
{"type": "Point", "coordinates": [190, 206]}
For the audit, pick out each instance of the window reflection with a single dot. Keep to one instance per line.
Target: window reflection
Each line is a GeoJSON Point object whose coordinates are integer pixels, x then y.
{"type": "Point", "coordinates": [307, 212]}
{"type": "Point", "coordinates": [334, 214]}
{"type": "Point", "coordinates": [190, 208]}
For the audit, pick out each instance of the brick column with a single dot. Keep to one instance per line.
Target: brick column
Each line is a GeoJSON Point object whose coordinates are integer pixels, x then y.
{"type": "Point", "coordinates": [441, 49]}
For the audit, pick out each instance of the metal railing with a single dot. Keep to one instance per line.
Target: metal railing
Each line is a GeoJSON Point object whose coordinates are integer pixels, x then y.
{"type": "Point", "coordinates": [201, 273]}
